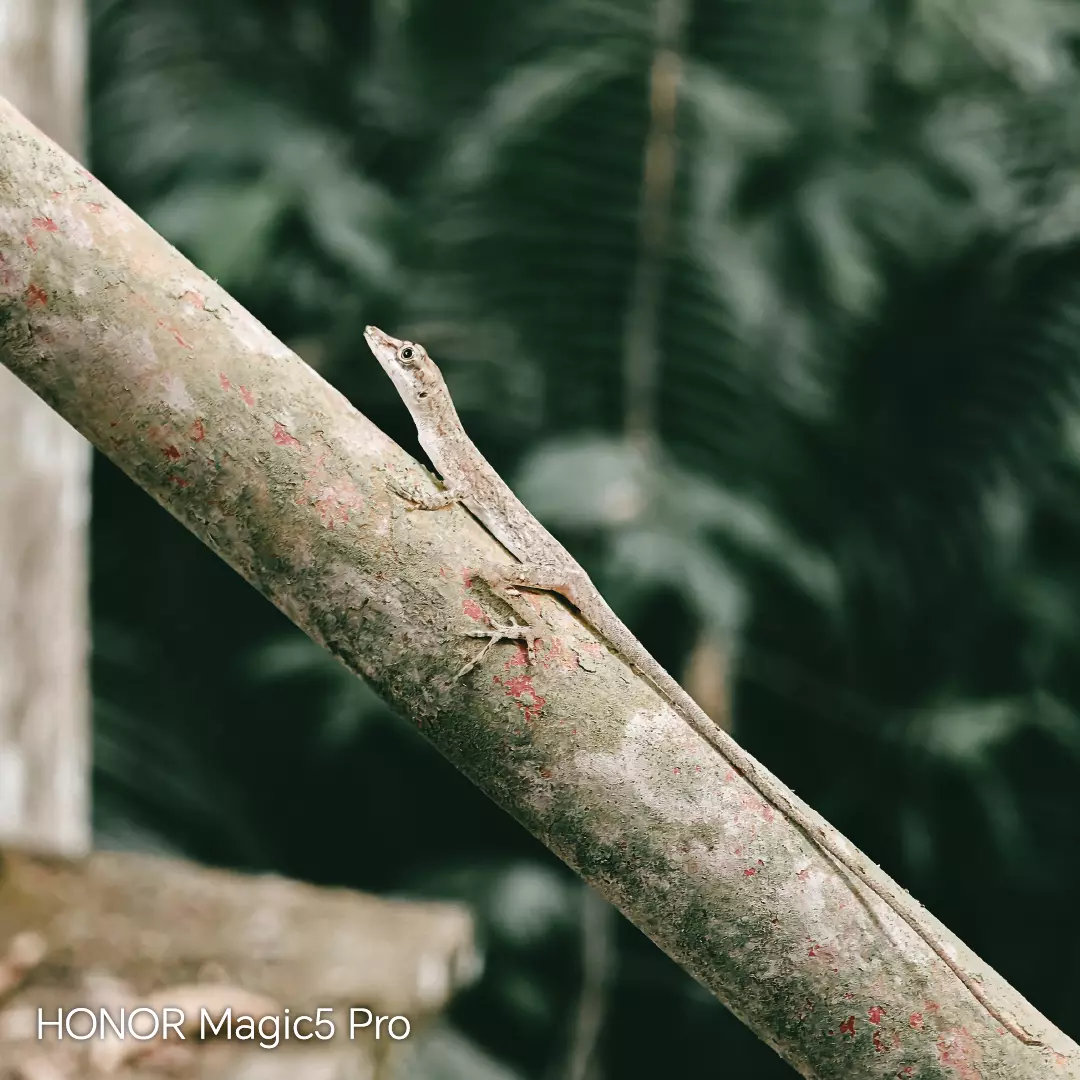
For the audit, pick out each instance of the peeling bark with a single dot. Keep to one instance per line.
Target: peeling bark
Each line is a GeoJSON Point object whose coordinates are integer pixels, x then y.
{"type": "Point", "coordinates": [280, 475]}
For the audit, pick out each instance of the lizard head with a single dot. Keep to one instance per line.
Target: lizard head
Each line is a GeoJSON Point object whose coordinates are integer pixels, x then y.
{"type": "Point", "coordinates": [413, 372]}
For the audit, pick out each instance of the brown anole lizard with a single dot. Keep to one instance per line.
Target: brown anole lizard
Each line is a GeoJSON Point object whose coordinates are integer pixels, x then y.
{"type": "Point", "coordinates": [545, 565]}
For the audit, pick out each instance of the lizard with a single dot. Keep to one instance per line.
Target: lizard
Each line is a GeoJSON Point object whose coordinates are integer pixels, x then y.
{"type": "Point", "coordinates": [544, 565]}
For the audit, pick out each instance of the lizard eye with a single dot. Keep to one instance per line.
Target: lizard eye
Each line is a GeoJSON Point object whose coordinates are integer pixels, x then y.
{"type": "Point", "coordinates": [407, 354]}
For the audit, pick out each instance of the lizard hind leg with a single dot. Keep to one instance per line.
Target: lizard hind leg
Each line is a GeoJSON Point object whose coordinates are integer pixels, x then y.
{"type": "Point", "coordinates": [510, 631]}
{"type": "Point", "coordinates": [567, 582]}
{"type": "Point", "coordinates": [506, 581]}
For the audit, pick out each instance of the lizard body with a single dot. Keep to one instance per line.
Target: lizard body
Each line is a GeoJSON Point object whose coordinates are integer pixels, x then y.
{"type": "Point", "coordinates": [545, 565]}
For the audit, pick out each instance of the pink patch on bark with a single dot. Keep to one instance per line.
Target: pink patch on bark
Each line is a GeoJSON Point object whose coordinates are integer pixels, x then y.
{"type": "Point", "coordinates": [283, 438]}
{"type": "Point", "coordinates": [175, 333]}
{"type": "Point", "coordinates": [758, 806]}
{"type": "Point", "coordinates": [474, 610]}
{"type": "Point", "coordinates": [521, 689]}
{"type": "Point", "coordinates": [958, 1051]}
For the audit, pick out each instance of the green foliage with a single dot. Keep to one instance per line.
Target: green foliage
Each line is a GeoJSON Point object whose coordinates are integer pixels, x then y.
{"type": "Point", "coordinates": [863, 463]}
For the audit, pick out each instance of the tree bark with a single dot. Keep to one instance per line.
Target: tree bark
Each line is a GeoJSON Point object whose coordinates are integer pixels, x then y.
{"type": "Point", "coordinates": [279, 474]}
{"type": "Point", "coordinates": [44, 503]}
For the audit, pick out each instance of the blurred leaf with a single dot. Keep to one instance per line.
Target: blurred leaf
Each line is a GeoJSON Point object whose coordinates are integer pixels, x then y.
{"type": "Point", "coordinates": [443, 1053]}
{"type": "Point", "coordinates": [528, 901]}
{"type": "Point", "coordinates": [965, 733]}
{"type": "Point", "coordinates": [519, 903]}
{"type": "Point", "coordinates": [532, 95]}
{"type": "Point", "coordinates": [656, 558]}
{"type": "Point", "coordinates": [346, 703]}
{"type": "Point", "coordinates": [662, 516]}
{"type": "Point", "coordinates": [226, 228]}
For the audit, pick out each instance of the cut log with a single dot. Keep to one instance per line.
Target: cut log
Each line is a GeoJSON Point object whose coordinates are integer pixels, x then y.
{"type": "Point", "coordinates": [122, 931]}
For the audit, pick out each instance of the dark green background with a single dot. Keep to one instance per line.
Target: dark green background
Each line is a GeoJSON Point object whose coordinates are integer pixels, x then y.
{"type": "Point", "coordinates": [869, 406]}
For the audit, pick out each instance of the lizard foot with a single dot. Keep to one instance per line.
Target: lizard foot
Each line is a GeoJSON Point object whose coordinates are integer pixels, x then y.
{"type": "Point", "coordinates": [420, 500]}
{"type": "Point", "coordinates": [511, 631]}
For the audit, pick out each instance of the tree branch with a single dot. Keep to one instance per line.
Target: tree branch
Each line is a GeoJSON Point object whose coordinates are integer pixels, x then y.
{"type": "Point", "coordinates": [280, 475]}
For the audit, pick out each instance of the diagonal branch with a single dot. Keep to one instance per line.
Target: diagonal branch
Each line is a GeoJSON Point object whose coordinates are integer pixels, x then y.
{"type": "Point", "coordinates": [279, 474]}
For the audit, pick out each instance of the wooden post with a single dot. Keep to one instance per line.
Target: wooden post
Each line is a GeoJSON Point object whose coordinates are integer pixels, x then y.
{"type": "Point", "coordinates": [44, 502]}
